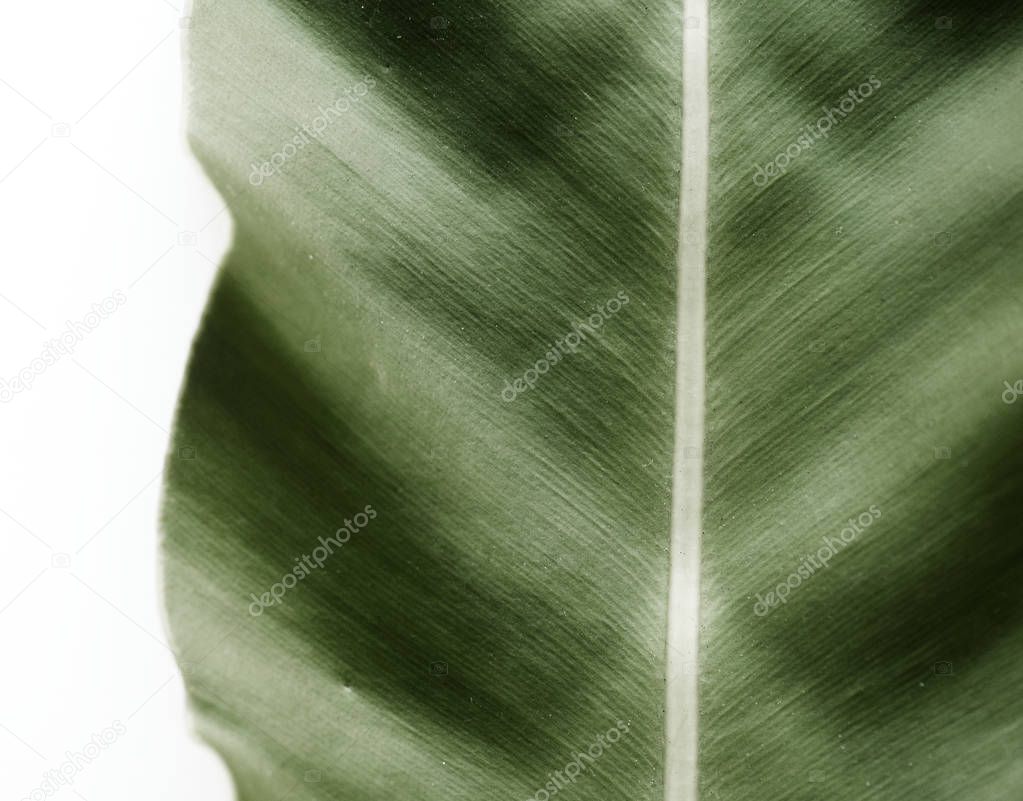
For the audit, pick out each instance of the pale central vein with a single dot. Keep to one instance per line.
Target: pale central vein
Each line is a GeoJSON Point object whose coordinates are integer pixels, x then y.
{"type": "Point", "coordinates": [682, 692]}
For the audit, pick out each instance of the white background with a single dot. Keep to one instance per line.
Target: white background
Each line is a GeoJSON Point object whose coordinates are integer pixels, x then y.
{"type": "Point", "coordinates": [98, 193]}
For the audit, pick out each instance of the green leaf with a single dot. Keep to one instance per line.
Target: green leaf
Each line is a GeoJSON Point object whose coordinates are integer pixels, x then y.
{"type": "Point", "coordinates": [506, 175]}
{"type": "Point", "coordinates": [393, 573]}
{"type": "Point", "coordinates": [864, 311]}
